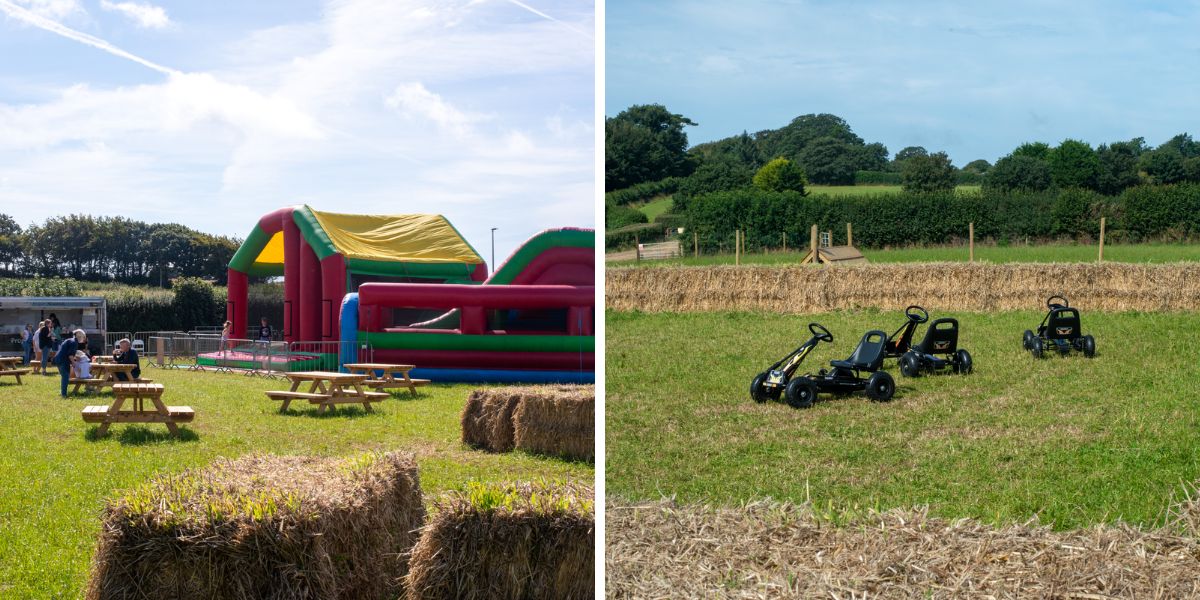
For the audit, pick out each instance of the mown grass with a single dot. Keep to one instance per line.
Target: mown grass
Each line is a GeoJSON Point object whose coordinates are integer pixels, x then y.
{"type": "Point", "coordinates": [1041, 253]}
{"type": "Point", "coordinates": [656, 206]}
{"type": "Point", "coordinates": [1071, 440]}
{"type": "Point", "coordinates": [55, 474]}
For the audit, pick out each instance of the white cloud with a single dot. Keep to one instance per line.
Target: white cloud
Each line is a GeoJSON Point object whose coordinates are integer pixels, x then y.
{"type": "Point", "coordinates": [144, 15]}
{"type": "Point", "coordinates": [413, 99]}
{"type": "Point", "coordinates": [52, 9]}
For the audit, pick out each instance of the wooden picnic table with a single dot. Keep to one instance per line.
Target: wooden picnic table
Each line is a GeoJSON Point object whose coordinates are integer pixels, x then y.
{"type": "Point", "coordinates": [391, 376]}
{"type": "Point", "coordinates": [138, 393]}
{"type": "Point", "coordinates": [327, 389]}
{"type": "Point", "coordinates": [105, 374]}
{"type": "Point", "coordinates": [11, 366]}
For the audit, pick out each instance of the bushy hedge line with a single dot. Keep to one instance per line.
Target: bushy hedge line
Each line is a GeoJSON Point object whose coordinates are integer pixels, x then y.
{"type": "Point", "coordinates": [132, 309]}
{"type": "Point", "coordinates": [40, 286]}
{"type": "Point", "coordinates": [616, 217]}
{"type": "Point", "coordinates": [643, 191]}
{"type": "Point", "coordinates": [625, 237]}
{"type": "Point", "coordinates": [876, 178]}
{"type": "Point", "coordinates": [1140, 214]}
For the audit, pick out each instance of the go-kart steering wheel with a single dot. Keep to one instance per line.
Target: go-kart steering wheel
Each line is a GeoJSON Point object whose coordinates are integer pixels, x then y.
{"type": "Point", "coordinates": [916, 314]}
{"type": "Point", "coordinates": [820, 332]}
{"type": "Point", "coordinates": [1050, 302]}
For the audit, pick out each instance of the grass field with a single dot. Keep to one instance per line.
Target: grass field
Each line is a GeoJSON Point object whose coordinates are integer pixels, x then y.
{"type": "Point", "coordinates": [54, 478]}
{"type": "Point", "coordinates": [656, 206]}
{"type": "Point", "coordinates": [1071, 440]}
{"type": "Point", "coordinates": [1132, 253]}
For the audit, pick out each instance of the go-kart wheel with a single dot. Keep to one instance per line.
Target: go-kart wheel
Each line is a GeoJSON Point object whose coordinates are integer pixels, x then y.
{"type": "Point", "coordinates": [1027, 341]}
{"type": "Point", "coordinates": [1089, 346]}
{"type": "Point", "coordinates": [963, 363]}
{"type": "Point", "coordinates": [800, 393]}
{"type": "Point", "coordinates": [1035, 347]}
{"type": "Point", "coordinates": [910, 364]}
{"type": "Point", "coordinates": [757, 391]}
{"type": "Point", "coordinates": [880, 386]}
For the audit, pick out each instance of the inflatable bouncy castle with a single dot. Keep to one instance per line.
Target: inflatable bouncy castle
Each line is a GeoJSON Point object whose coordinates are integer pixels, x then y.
{"type": "Point", "coordinates": [414, 291]}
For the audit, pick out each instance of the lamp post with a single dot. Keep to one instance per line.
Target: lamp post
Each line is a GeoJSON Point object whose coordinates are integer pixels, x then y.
{"type": "Point", "coordinates": [494, 249]}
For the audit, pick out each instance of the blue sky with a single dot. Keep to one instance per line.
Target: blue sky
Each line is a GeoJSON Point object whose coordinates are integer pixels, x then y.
{"type": "Point", "coordinates": [974, 79]}
{"type": "Point", "coordinates": [211, 114]}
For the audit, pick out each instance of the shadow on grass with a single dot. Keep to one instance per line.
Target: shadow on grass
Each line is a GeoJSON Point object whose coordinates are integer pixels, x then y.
{"type": "Point", "coordinates": [347, 412]}
{"type": "Point", "coordinates": [139, 435]}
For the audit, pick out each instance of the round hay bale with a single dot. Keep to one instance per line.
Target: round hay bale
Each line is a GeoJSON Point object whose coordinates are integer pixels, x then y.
{"type": "Point", "coordinates": [522, 540]}
{"type": "Point", "coordinates": [263, 526]}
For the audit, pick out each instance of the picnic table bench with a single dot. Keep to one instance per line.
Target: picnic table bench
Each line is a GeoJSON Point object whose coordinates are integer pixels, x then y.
{"type": "Point", "coordinates": [11, 366]}
{"type": "Point", "coordinates": [391, 376]}
{"type": "Point", "coordinates": [105, 374]}
{"type": "Point", "coordinates": [327, 390]}
{"type": "Point", "coordinates": [138, 393]}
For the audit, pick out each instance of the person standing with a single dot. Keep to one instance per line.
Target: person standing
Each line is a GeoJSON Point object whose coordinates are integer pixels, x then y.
{"type": "Point", "coordinates": [66, 355]}
{"type": "Point", "coordinates": [264, 331]}
{"type": "Point", "coordinates": [226, 333]}
{"type": "Point", "coordinates": [46, 344]}
{"type": "Point", "coordinates": [27, 344]}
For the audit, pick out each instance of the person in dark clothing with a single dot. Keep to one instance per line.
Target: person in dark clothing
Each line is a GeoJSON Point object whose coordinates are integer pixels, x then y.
{"type": "Point", "coordinates": [126, 355]}
{"type": "Point", "coordinates": [264, 331]}
{"type": "Point", "coordinates": [46, 343]}
{"type": "Point", "coordinates": [54, 321]}
{"type": "Point", "coordinates": [66, 353]}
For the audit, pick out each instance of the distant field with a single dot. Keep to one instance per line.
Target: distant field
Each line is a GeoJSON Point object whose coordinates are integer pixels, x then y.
{"type": "Point", "coordinates": [1132, 253]}
{"type": "Point", "coordinates": [656, 206]}
{"type": "Point", "coordinates": [1075, 441]}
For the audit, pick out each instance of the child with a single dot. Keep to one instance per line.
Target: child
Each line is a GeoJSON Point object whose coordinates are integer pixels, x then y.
{"type": "Point", "coordinates": [82, 365]}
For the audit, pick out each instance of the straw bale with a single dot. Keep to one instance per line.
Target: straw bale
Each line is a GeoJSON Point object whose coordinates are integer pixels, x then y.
{"type": "Point", "coordinates": [558, 421]}
{"type": "Point", "coordinates": [513, 541]}
{"type": "Point", "coordinates": [797, 289]}
{"type": "Point", "coordinates": [487, 418]}
{"type": "Point", "coordinates": [262, 526]}
{"type": "Point", "coordinates": [768, 550]}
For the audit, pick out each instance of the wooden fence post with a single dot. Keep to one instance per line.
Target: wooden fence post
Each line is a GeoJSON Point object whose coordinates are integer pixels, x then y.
{"type": "Point", "coordinates": [785, 241]}
{"type": "Point", "coordinates": [696, 243]}
{"type": "Point", "coordinates": [849, 235]}
{"type": "Point", "coordinates": [1101, 258]}
{"type": "Point", "coordinates": [637, 248]}
{"type": "Point", "coordinates": [971, 228]}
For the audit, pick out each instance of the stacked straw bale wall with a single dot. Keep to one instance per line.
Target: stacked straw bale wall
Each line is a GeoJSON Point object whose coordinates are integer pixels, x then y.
{"type": "Point", "coordinates": [796, 289]}
{"type": "Point", "coordinates": [264, 527]}
{"type": "Point", "coordinates": [517, 541]}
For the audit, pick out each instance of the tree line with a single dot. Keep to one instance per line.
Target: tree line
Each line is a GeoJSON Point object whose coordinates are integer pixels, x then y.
{"type": "Point", "coordinates": [88, 248]}
{"type": "Point", "coordinates": [648, 143]}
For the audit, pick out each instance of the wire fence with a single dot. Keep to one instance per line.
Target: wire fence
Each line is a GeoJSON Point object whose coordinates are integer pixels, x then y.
{"type": "Point", "coordinates": [205, 352]}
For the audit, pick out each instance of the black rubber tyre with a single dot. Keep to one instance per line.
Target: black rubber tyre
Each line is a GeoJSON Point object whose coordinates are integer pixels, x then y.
{"type": "Point", "coordinates": [800, 393]}
{"type": "Point", "coordinates": [1089, 346]}
{"type": "Point", "coordinates": [1027, 341]}
{"type": "Point", "coordinates": [1035, 347]}
{"type": "Point", "coordinates": [880, 386]}
{"type": "Point", "coordinates": [963, 363]}
{"type": "Point", "coordinates": [910, 365]}
{"type": "Point", "coordinates": [757, 392]}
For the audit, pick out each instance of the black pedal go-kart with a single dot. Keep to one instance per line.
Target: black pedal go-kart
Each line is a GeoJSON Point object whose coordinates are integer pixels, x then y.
{"type": "Point", "coordinates": [859, 372]}
{"type": "Point", "coordinates": [1060, 331]}
{"type": "Point", "coordinates": [937, 351]}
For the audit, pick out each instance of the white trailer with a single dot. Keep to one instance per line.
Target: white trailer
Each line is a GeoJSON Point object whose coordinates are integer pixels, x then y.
{"type": "Point", "coordinates": [89, 314]}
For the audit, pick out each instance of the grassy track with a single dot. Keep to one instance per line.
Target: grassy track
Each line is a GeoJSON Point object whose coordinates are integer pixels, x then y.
{"type": "Point", "coordinates": [53, 479]}
{"type": "Point", "coordinates": [656, 206]}
{"type": "Point", "coordinates": [1132, 253]}
{"type": "Point", "coordinates": [1073, 440]}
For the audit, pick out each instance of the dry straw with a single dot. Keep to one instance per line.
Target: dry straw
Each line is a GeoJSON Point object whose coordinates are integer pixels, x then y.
{"type": "Point", "coordinates": [557, 421]}
{"type": "Point", "coordinates": [770, 550]}
{"type": "Point", "coordinates": [487, 418]}
{"type": "Point", "coordinates": [515, 541]}
{"type": "Point", "coordinates": [264, 526]}
{"type": "Point", "coordinates": [544, 419]}
{"type": "Point", "coordinates": [798, 289]}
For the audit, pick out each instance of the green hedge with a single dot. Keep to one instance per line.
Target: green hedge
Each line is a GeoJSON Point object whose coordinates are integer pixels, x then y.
{"type": "Point", "coordinates": [625, 237]}
{"type": "Point", "coordinates": [643, 191]}
{"type": "Point", "coordinates": [616, 217]}
{"type": "Point", "coordinates": [1139, 214]}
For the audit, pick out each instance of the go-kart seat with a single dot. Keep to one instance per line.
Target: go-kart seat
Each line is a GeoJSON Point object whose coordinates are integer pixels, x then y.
{"type": "Point", "coordinates": [1062, 324]}
{"type": "Point", "coordinates": [868, 356]}
{"type": "Point", "coordinates": [940, 338]}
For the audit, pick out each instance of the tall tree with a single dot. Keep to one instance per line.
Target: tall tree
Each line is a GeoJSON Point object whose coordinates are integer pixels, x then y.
{"type": "Point", "coordinates": [1036, 150]}
{"type": "Point", "coordinates": [644, 143]}
{"type": "Point", "coordinates": [781, 175]}
{"type": "Point", "coordinates": [829, 161]}
{"type": "Point", "coordinates": [1073, 164]}
{"type": "Point", "coordinates": [1118, 165]}
{"type": "Point", "coordinates": [1018, 173]}
{"type": "Point", "coordinates": [10, 242]}
{"type": "Point", "coordinates": [928, 174]}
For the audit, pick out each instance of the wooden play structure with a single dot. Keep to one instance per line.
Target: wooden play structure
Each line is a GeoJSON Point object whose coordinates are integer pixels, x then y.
{"type": "Point", "coordinates": [822, 250]}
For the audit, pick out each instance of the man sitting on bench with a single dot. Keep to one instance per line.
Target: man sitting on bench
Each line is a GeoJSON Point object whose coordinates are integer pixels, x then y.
{"type": "Point", "coordinates": [126, 355]}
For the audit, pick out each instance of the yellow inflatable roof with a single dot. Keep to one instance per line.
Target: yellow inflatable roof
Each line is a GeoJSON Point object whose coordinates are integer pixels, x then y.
{"type": "Point", "coordinates": [401, 238]}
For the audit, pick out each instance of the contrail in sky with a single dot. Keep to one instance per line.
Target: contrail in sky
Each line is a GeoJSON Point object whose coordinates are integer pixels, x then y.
{"type": "Point", "coordinates": [550, 18]}
{"type": "Point", "coordinates": [41, 22]}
